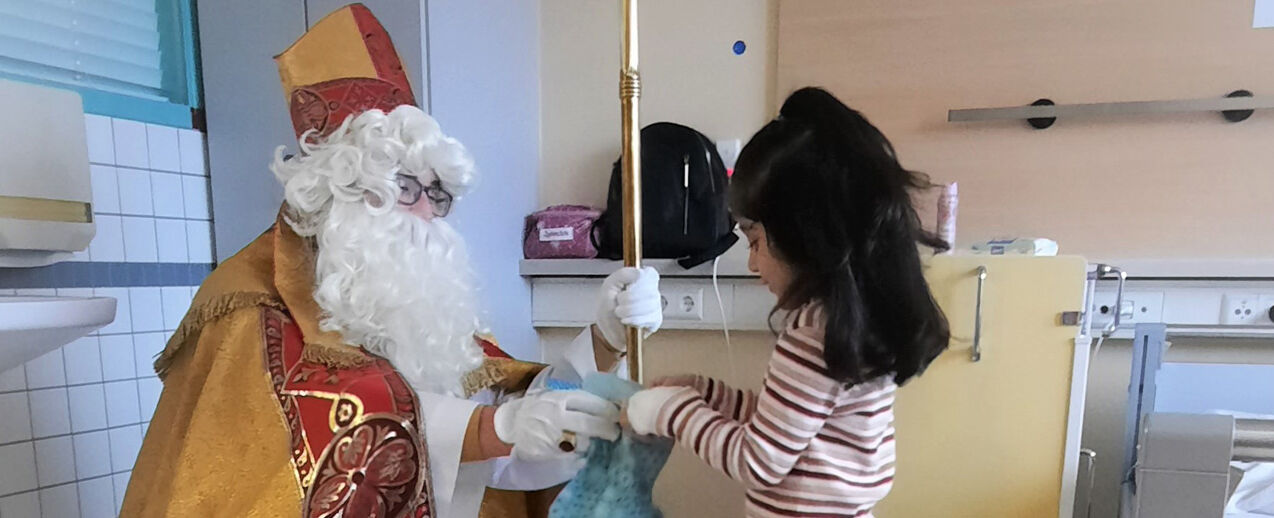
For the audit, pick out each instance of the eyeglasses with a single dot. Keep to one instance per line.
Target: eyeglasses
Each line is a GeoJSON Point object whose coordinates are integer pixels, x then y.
{"type": "Point", "coordinates": [410, 190]}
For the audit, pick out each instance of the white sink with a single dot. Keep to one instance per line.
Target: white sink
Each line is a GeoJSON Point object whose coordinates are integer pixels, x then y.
{"type": "Point", "coordinates": [32, 326]}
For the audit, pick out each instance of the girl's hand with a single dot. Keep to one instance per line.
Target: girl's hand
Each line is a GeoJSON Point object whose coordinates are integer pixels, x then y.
{"type": "Point", "coordinates": [641, 413]}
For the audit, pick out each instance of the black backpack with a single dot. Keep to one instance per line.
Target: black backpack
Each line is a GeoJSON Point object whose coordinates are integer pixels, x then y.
{"type": "Point", "coordinates": [683, 190]}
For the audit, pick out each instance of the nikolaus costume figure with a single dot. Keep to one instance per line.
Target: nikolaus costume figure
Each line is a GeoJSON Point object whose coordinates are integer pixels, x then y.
{"type": "Point", "coordinates": [336, 366]}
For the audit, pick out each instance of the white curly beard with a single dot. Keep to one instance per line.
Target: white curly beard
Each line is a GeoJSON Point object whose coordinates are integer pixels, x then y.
{"type": "Point", "coordinates": [401, 287]}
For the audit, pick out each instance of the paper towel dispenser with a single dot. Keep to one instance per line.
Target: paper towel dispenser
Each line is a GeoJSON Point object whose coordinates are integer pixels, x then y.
{"type": "Point", "coordinates": [46, 211]}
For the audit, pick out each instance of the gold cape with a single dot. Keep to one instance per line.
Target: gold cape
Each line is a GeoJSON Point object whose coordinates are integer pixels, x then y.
{"type": "Point", "coordinates": [218, 444]}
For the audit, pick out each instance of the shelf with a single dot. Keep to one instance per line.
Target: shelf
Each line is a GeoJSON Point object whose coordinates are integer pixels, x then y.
{"type": "Point", "coordinates": [732, 264]}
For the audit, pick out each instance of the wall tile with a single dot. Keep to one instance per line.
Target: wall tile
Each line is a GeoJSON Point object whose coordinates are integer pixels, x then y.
{"type": "Point", "coordinates": [195, 195]}
{"type": "Point", "coordinates": [125, 443]}
{"type": "Point", "coordinates": [55, 460]}
{"type": "Point", "coordinates": [22, 505]}
{"type": "Point", "coordinates": [148, 309]}
{"type": "Point", "coordinates": [97, 498]}
{"type": "Point", "coordinates": [171, 234]}
{"type": "Point", "coordinates": [161, 143]}
{"type": "Point", "coordinates": [19, 468]}
{"type": "Point", "coordinates": [121, 403]}
{"type": "Point", "coordinates": [120, 481]}
{"type": "Point", "coordinates": [88, 408]}
{"type": "Point", "coordinates": [148, 390]}
{"type": "Point", "coordinates": [50, 414]}
{"type": "Point", "coordinates": [148, 346]}
{"type": "Point", "coordinates": [46, 371]}
{"type": "Point", "coordinates": [16, 424]}
{"type": "Point", "coordinates": [130, 144]}
{"type": "Point", "coordinates": [192, 152]}
{"type": "Point", "coordinates": [199, 238]}
{"type": "Point", "coordinates": [83, 360]}
{"type": "Point", "coordinates": [105, 182]}
{"type": "Point", "coordinates": [168, 195]}
{"type": "Point", "coordinates": [60, 502]}
{"type": "Point", "coordinates": [117, 357]}
{"type": "Point", "coordinates": [108, 245]}
{"type": "Point", "coordinates": [92, 454]}
{"type": "Point", "coordinates": [176, 303]}
{"type": "Point", "coordinates": [101, 139]}
{"type": "Point", "coordinates": [140, 243]}
{"type": "Point", "coordinates": [135, 193]}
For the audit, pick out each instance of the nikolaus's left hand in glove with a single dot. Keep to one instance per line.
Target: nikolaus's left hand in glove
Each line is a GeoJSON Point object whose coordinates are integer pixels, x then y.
{"type": "Point", "coordinates": [538, 424]}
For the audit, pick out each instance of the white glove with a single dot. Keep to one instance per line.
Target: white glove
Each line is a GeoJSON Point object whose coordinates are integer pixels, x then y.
{"type": "Point", "coordinates": [643, 407]}
{"type": "Point", "coordinates": [629, 297]}
{"type": "Point", "coordinates": [535, 424]}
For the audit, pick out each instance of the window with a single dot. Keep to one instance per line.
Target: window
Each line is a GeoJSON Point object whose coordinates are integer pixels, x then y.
{"type": "Point", "coordinates": [133, 59]}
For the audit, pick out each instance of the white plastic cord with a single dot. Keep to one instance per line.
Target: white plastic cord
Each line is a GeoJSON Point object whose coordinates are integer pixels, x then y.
{"type": "Point", "coordinates": [1092, 358]}
{"type": "Point", "coordinates": [725, 322]}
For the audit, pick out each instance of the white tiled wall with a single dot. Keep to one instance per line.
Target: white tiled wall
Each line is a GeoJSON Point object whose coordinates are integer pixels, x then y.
{"type": "Point", "coordinates": [150, 193]}
{"type": "Point", "coordinates": [73, 420]}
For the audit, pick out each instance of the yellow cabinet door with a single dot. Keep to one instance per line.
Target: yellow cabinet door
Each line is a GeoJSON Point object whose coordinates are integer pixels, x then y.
{"type": "Point", "coordinates": [990, 438]}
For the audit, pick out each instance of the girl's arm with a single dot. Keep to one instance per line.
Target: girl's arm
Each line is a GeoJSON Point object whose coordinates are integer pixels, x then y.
{"type": "Point", "coordinates": [736, 404]}
{"type": "Point", "coordinates": [760, 451]}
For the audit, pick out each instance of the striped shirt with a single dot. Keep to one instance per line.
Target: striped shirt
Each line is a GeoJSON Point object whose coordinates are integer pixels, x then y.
{"type": "Point", "coordinates": [806, 445]}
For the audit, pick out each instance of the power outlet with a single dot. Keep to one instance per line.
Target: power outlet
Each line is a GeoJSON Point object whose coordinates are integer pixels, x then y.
{"type": "Point", "coordinates": [682, 304]}
{"type": "Point", "coordinates": [1243, 309]}
{"type": "Point", "coordinates": [1138, 307]}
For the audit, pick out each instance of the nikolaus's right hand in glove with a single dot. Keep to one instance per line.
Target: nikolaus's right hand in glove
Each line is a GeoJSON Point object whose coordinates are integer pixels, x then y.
{"type": "Point", "coordinates": [537, 424]}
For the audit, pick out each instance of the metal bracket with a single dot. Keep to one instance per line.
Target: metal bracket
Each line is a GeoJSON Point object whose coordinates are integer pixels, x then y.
{"type": "Point", "coordinates": [1102, 272]}
{"type": "Point", "coordinates": [1147, 357]}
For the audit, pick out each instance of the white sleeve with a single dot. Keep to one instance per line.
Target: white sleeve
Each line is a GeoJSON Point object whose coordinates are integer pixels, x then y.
{"type": "Point", "coordinates": [576, 360]}
{"type": "Point", "coordinates": [515, 475]}
{"type": "Point", "coordinates": [446, 420]}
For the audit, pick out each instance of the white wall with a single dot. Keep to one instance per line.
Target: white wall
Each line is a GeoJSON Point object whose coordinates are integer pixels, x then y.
{"type": "Point", "coordinates": [484, 89]}
{"type": "Point", "coordinates": [689, 75]}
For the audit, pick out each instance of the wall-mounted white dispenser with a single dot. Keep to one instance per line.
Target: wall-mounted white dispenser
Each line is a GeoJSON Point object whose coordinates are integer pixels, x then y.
{"type": "Point", "coordinates": [46, 210]}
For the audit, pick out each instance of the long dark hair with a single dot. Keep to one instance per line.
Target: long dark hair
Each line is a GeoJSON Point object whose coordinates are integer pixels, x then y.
{"type": "Point", "coordinates": [836, 207]}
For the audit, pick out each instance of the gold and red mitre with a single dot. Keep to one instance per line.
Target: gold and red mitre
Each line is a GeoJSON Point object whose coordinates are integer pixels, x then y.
{"type": "Point", "coordinates": [344, 65]}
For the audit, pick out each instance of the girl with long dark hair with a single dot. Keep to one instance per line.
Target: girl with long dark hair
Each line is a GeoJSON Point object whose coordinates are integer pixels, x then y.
{"type": "Point", "coordinates": [832, 232]}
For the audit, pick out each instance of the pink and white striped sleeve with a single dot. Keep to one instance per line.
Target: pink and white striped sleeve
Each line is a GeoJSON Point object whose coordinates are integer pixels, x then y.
{"type": "Point", "coordinates": [760, 449]}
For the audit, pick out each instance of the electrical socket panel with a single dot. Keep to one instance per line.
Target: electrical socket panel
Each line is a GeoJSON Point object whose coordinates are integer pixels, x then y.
{"type": "Point", "coordinates": [682, 303]}
{"type": "Point", "coordinates": [1244, 309]}
{"type": "Point", "coordinates": [1138, 307]}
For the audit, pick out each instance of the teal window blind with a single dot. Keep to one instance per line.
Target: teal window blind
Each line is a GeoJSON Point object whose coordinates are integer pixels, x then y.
{"type": "Point", "coordinates": [127, 58]}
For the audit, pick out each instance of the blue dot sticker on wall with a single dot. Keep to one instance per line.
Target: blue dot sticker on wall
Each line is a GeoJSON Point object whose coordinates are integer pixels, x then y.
{"type": "Point", "coordinates": [740, 47]}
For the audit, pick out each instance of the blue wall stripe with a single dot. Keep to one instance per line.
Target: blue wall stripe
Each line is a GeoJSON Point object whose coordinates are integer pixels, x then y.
{"type": "Point", "coordinates": [105, 275]}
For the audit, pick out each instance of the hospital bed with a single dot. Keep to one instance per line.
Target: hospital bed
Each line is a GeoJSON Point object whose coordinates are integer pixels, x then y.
{"type": "Point", "coordinates": [1179, 464]}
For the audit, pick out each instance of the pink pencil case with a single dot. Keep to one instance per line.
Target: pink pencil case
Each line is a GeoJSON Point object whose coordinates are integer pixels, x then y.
{"type": "Point", "coordinates": [560, 232]}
